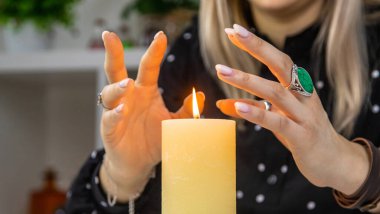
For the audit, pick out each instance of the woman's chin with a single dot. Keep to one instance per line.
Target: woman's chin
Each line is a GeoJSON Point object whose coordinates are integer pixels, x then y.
{"type": "Point", "coordinates": [274, 5]}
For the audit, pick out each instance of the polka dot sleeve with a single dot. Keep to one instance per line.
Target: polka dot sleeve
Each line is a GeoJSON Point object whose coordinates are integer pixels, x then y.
{"type": "Point", "coordinates": [87, 196]}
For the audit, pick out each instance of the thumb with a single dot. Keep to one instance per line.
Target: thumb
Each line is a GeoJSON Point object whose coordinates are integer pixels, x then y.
{"type": "Point", "coordinates": [186, 110]}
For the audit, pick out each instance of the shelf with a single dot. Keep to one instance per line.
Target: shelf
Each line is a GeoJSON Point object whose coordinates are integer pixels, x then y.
{"type": "Point", "coordinates": [64, 65]}
{"type": "Point", "coordinates": [62, 61]}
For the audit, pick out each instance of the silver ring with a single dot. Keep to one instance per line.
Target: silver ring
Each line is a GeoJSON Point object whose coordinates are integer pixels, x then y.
{"type": "Point", "coordinates": [302, 85]}
{"type": "Point", "coordinates": [100, 101]}
{"type": "Point", "coordinates": [268, 105]}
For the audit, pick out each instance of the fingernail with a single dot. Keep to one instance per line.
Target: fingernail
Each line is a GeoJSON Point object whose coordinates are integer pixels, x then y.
{"type": "Point", "coordinates": [241, 31]}
{"type": "Point", "coordinates": [218, 103]}
{"type": "Point", "coordinates": [229, 31]}
{"type": "Point", "coordinates": [224, 70]}
{"type": "Point", "coordinates": [242, 107]}
{"type": "Point", "coordinates": [119, 108]}
{"type": "Point", "coordinates": [104, 34]}
{"type": "Point", "coordinates": [201, 94]}
{"type": "Point", "coordinates": [123, 83]}
{"type": "Point", "coordinates": [157, 34]}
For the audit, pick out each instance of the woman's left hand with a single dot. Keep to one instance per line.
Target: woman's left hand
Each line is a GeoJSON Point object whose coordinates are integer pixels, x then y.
{"type": "Point", "coordinates": [301, 124]}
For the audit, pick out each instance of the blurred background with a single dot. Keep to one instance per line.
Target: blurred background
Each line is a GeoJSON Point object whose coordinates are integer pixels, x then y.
{"type": "Point", "coordinates": [51, 69]}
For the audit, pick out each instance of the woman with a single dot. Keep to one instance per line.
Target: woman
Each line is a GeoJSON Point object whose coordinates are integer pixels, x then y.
{"type": "Point", "coordinates": [289, 168]}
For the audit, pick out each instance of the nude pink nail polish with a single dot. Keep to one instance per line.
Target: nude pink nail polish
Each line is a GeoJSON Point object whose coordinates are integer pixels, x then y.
{"type": "Point", "coordinates": [224, 70]}
{"type": "Point", "coordinates": [104, 34]}
{"type": "Point", "coordinates": [242, 107]}
{"type": "Point", "coordinates": [229, 31]}
{"type": "Point", "coordinates": [157, 34]}
{"type": "Point", "coordinates": [241, 31]}
{"type": "Point", "coordinates": [123, 83]}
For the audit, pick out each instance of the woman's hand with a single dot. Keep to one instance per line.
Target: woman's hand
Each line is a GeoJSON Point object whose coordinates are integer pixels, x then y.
{"type": "Point", "coordinates": [131, 120]}
{"type": "Point", "coordinates": [323, 156]}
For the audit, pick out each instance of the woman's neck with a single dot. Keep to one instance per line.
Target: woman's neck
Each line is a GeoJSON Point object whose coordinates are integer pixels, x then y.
{"type": "Point", "coordinates": [277, 25]}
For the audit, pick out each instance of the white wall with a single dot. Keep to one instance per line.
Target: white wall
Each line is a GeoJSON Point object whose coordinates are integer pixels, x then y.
{"type": "Point", "coordinates": [45, 121]}
{"type": "Point", "coordinates": [1, 40]}
{"type": "Point", "coordinates": [22, 143]}
{"type": "Point", "coordinates": [70, 118]}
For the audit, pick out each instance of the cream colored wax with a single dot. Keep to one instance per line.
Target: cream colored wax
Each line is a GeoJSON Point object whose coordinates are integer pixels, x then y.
{"type": "Point", "coordinates": [198, 166]}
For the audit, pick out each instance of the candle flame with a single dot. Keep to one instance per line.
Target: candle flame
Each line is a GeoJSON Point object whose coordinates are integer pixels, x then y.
{"type": "Point", "coordinates": [196, 114]}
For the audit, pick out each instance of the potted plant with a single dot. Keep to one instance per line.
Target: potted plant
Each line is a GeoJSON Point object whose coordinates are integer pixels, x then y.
{"type": "Point", "coordinates": [168, 15]}
{"type": "Point", "coordinates": [28, 23]}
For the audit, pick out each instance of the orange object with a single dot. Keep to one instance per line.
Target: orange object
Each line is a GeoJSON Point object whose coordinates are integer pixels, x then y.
{"type": "Point", "coordinates": [49, 198]}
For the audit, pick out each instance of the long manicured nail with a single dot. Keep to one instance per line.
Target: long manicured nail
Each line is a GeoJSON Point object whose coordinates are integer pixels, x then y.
{"type": "Point", "coordinates": [104, 34]}
{"type": "Point", "coordinates": [241, 31]}
{"type": "Point", "coordinates": [158, 34]}
{"type": "Point", "coordinates": [119, 108]}
{"type": "Point", "coordinates": [123, 83]}
{"type": "Point", "coordinates": [218, 103]}
{"type": "Point", "coordinates": [229, 31]}
{"type": "Point", "coordinates": [224, 70]}
{"type": "Point", "coordinates": [242, 107]}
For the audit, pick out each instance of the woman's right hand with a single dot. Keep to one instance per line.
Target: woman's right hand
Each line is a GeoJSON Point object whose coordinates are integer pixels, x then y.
{"type": "Point", "coordinates": [131, 120]}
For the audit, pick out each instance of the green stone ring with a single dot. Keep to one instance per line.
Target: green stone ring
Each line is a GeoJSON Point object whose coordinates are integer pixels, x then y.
{"type": "Point", "coordinates": [301, 81]}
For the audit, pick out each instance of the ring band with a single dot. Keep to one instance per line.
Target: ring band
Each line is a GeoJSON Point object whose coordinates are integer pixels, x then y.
{"type": "Point", "coordinates": [100, 101]}
{"type": "Point", "coordinates": [268, 105]}
{"type": "Point", "coordinates": [301, 81]}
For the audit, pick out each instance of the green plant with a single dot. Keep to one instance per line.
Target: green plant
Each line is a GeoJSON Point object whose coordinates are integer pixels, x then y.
{"type": "Point", "coordinates": [159, 7]}
{"type": "Point", "coordinates": [42, 13]}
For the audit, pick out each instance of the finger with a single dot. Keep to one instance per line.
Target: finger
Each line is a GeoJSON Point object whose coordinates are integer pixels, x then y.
{"type": "Point", "coordinates": [114, 57]}
{"type": "Point", "coordinates": [186, 111]}
{"type": "Point", "coordinates": [278, 124]}
{"type": "Point", "coordinates": [279, 63]}
{"type": "Point", "coordinates": [151, 61]}
{"type": "Point", "coordinates": [113, 93]}
{"type": "Point", "coordinates": [227, 106]}
{"type": "Point", "coordinates": [110, 122]}
{"type": "Point", "coordinates": [272, 91]}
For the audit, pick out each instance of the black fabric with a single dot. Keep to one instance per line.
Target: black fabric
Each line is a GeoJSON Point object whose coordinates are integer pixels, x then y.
{"type": "Point", "coordinates": [268, 180]}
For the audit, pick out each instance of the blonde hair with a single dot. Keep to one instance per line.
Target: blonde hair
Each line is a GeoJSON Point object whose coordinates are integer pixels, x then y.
{"type": "Point", "coordinates": [341, 36]}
